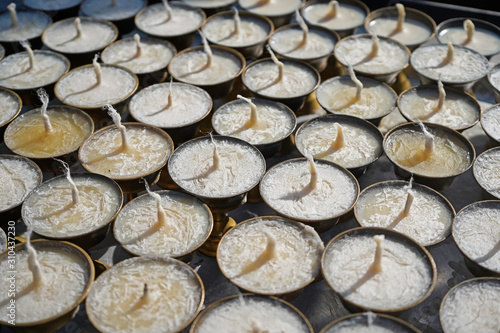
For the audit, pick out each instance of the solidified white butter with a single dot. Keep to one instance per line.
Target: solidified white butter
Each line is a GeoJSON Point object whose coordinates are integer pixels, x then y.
{"type": "Point", "coordinates": [17, 179]}
{"type": "Point", "coordinates": [347, 16]}
{"type": "Point", "coordinates": [9, 106]}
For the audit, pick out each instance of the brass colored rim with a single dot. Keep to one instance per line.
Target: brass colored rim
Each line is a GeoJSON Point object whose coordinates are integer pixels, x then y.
{"type": "Point", "coordinates": [194, 326]}
{"type": "Point", "coordinates": [392, 234]}
{"type": "Point", "coordinates": [58, 244]}
{"type": "Point", "coordinates": [170, 194]}
{"type": "Point", "coordinates": [154, 128]}
{"type": "Point", "coordinates": [384, 316]}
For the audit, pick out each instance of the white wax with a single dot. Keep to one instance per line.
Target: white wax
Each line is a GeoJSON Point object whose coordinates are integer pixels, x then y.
{"type": "Point", "coordinates": [427, 222]}
{"type": "Point", "coordinates": [355, 50]}
{"type": "Point", "coordinates": [50, 210]}
{"type": "Point", "coordinates": [472, 307]}
{"type": "Point", "coordinates": [484, 41]}
{"type": "Point", "coordinates": [297, 81]}
{"type": "Point", "coordinates": [405, 278]}
{"type": "Point", "coordinates": [449, 156]}
{"type": "Point", "coordinates": [146, 152]}
{"type": "Point", "coordinates": [241, 166]}
{"type": "Point", "coordinates": [174, 296]}
{"type": "Point", "coordinates": [494, 77]}
{"type": "Point", "coordinates": [16, 73]}
{"type": "Point", "coordinates": [26, 135]}
{"type": "Point", "coordinates": [368, 322]}
{"type": "Point", "coordinates": [18, 178]}
{"type": "Point", "coordinates": [79, 87]}
{"type": "Point", "coordinates": [361, 146]}
{"type": "Point", "coordinates": [295, 263]}
{"type": "Point", "coordinates": [458, 111]}
{"type": "Point", "coordinates": [244, 313]}
{"type": "Point", "coordinates": [285, 189]}
{"type": "Point", "coordinates": [270, 8]}
{"type": "Point", "coordinates": [209, 3]}
{"type": "Point", "coordinates": [155, 55]}
{"type": "Point", "coordinates": [155, 21]}
{"type": "Point", "coordinates": [220, 30]}
{"type": "Point", "coordinates": [31, 24]}
{"type": "Point", "coordinates": [476, 231]}
{"type": "Point", "coordinates": [338, 95]}
{"type": "Point", "coordinates": [289, 43]}
{"type": "Point", "coordinates": [191, 67]}
{"type": "Point", "coordinates": [106, 11]}
{"type": "Point", "coordinates": [188, 224]}
{"type": "Point", "coordinates": [65, 277]}
{"type": "Point", "coordinates": [274, 122]}
{"type": "Point", "coordinates": [51, 5]}
{"type": "Point", "coordinates": [189, 104]}
{"type": "Point", "coordinates": [96, 35]}
{"type": "Point", "coordinates": [414, 31]}
{"type": "Point", "coordinates": [9, 106]}
{"type": "Point", "coordinates": [347, 17]}
{"type": "Point", "coordinates": [490, 121]}
{"type": "Point", "coordinates": [466, 65]}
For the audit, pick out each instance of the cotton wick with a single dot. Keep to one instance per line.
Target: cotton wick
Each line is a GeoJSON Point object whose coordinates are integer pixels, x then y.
{"type": "Point", "coordinates": [313, 182]}
{"type": "Point", "coordinates": [138, 51]}
{"type": "Point", "coordinates": [376, 266]}
{"type": "Point", "coordinates": [303, 26]}
{"type": "Point", "coordinates": [442, 96]}
{"type": "Point", "coordinates": [268, 254]}
{"type": "Point", "coordinates": [44, 98]}
{"type": "Point", "coordinates": [237, 21]}
{"type": "Point", "coordinates": [216, 158]}
{"type": "Point", "coordinates": [206, 48]}
{"type": "Point", "coordinates": [339, 139]}
{"type": "Point", "coordinates": [168, 9]}
{"type": "Point", "coordinates": [162, 216]}
{"type": "Point", "coordinates": [31, 56]}
{"type": "Point", "coordinates": [78, 27]}
{"type": "Point", "coordinates": [469, 29]}
{"type": "Point", "coordinates": [357, 82]}
{"type": "Point", "coordinates": [281, 67]}
{"type": "Point", "coordinates": [33, 264]}
{"type": "Point", "coordinates": [67, 172]}
{"type": "Point", "coordinates": [334, 8]}
{"type": "Point", "coordinates": [449, 53]}
{"type": "Point", "coordinates": [118, 122]}
{"type": "Point", "coordinates": [13, 14]}
{"type": "Point", "coordinates": [169, 97]}
{"type": "Point", "coordinates": [429, 139]}
{"type": "Point", "coordinates": [375, 46]}
{"type": "Point", "coordinates": [97, 70]}
{"type": "Point", "coordinates": [253, 112]}
{"type": "Point", "coordinates": [409, 202]}
{"type": "Point", "coordinates": [401, 16]}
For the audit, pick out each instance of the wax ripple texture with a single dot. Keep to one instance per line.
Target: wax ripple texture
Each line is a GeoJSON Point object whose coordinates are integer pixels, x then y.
{"type": "Point", "coordinates": [17, 179]}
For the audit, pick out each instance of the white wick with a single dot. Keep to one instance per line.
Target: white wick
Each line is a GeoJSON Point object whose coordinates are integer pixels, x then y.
{"type": "Point", "coordinates": [409, 201]}
{"type": "Point", "coordinates": [469, 29]}
{"type": "Point", "coordinates": [339, 139]}
{"type": "Point", "coordinates": [169, 97]}
{"type": "Point", "coordinates": [74, 189]}
{"type": "Point", "coordinates": [449, 53]}
{"type": "Point", "coordinates": [281, 67]}
{"type": "Point", "coordinates": [401, 16]}
{"type": "Point", "coordinates": [31, 56]}
{"type": "Point", "coordinates": [303, 26]}
{"type": "Point", "coordinates": [253, 112]}
{"type": "Point", "coordinates": [137, 40]}
{"type": "Point", "coordinates": [78, 27]}
{"type": "Point", "coordinates": [313, 182]}
{"type": "Point", "coordinates": [44, 98]}
{"type": "Point", "coordinates": [442, 96]}
{"type": "Point", "coordinates": [268, 254]}
{"type": "Point", "coordinates": [237, 21]}
{"type": "Point", "coordinates": [357, 82]}
{"type": "Point", "coordinates": [97, 70]}
{"type": "Point", "coordinates": [216, 158]}
{"type": "Point", "coordinates": [33, 264]}
{"type": "Point", "coordinates": [168, 9]}
{"type": "Point", "coordinates": [376, 266]}
{"type": "Point", "coordinates": [375, 45]}
{"type": "Point", "coordinates": [429, 138]}
{"type": "Point", "coordinates": [334, 8]}
{"type": "Point", "coordinates": [206, 48]}
{"type": "Point", "coordinates": [162, 216]}
{"type": "Point", "coordinates": [13, 14]}
{"type": "Point", "coordinates": [118, 122]}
